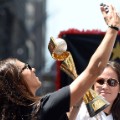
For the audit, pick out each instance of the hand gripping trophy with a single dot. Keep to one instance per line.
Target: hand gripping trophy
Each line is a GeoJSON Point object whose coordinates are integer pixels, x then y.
{"type": "Point", "coordinates": [93, 101]}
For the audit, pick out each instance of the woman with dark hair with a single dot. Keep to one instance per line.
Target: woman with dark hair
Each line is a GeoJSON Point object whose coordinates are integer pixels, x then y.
{"type": "Point", "coordinates": [18, 83]}
{"type": "Point", "coordinates": [108, 86]}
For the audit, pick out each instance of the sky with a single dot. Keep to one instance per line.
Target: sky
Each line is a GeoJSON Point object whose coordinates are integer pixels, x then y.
{"type": "Point", "coordinates": [78, 14]}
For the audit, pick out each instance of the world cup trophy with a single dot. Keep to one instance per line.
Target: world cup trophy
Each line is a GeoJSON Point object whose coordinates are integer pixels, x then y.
{"type": "Point", "coordinates": [93, 101]}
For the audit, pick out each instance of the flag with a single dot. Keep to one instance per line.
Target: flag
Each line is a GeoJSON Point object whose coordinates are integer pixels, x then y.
{"type": "Point", "coordinates": [82, 44]}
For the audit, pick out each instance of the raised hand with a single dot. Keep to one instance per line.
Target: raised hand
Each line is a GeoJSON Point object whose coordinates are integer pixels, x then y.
{"type": "Point", "coordinates": [110, 15]}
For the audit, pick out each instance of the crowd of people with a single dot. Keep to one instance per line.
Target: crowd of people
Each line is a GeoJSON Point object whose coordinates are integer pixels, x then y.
{"type": "Point", "coordinates": [18, 84]}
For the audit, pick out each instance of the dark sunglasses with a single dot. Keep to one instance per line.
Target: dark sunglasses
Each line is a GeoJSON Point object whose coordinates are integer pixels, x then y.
{"type": "Point", "coordinates": [26, 66]}
{"type": "Point", "coordinates": [111, 82]}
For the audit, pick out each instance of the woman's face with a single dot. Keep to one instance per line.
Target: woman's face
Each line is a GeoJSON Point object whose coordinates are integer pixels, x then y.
{"type": "Point", "coordinates": [105, 90]}
{"type": "Point", "coordinates": [28, 75]}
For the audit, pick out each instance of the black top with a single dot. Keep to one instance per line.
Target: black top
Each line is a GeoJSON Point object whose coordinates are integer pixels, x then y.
{"type": "Point", "coordinates": [55, 105]}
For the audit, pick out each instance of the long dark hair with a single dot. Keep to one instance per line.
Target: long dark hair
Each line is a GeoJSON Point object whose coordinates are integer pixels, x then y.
{"type": "Point", "coordinates": [13, 93]}
{"type": "Point", "coordinates": [115, 110]}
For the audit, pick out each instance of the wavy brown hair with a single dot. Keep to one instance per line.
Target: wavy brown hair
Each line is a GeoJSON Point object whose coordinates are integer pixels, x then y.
{"type": "Point", "coordinates": [116, 105]}
{"type": "Point", "coordinates": [14, 92]}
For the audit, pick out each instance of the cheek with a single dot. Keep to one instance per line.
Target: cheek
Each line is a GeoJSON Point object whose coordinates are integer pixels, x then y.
{"type": "Point", "coordinates": [97, 88]}
{"type": "Point", "coordinates": [115, 91]}
{"type": "Point", "coordinates": [27, 78]}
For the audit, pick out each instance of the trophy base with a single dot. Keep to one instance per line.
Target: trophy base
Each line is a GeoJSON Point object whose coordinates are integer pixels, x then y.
{"type": "Point", "coordinates": [96, 105]}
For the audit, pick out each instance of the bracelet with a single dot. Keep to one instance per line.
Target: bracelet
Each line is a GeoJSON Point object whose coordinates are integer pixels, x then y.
{"type": "Point", "coordinates": [115, 28]}
{"type": "Point", "coordinates": [76, 106]}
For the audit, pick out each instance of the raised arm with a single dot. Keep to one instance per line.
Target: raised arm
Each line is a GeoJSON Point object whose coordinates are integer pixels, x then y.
{"type": "Point", "coordinates": [98, 60]}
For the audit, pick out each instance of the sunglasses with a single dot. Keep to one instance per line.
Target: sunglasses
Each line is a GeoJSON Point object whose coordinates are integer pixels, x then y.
{"type": "Point", "coordinates": [26, 66]}
{"type": "Point", "coordinates": [111, 82]}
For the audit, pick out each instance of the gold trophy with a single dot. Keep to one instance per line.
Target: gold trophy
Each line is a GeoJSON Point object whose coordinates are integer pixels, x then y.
{"type": "Point", "coordinates": [93, 101]}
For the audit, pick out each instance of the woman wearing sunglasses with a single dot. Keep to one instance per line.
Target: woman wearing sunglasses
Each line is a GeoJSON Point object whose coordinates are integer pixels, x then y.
{"type": "Point", "coordinates": [18, 83]}
{"type": "Point", "coordinates": [108, 86]}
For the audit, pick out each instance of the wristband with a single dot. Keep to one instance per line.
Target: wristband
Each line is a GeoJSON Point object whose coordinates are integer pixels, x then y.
{"type": "Point", "coordinates": [115, 28]}
{"type": "Point", "coordinates": [76, 106]}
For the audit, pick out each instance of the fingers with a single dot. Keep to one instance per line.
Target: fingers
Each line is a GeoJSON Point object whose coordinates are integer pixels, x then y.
{"type": "Point", "coordinates": [110, 15]}
{"type": "Point", "coordinates": [103, 11]}
{"type": "Point", "coordinates": [111, 9]}
{"type": "Point", "coordinates": [106, 7]}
